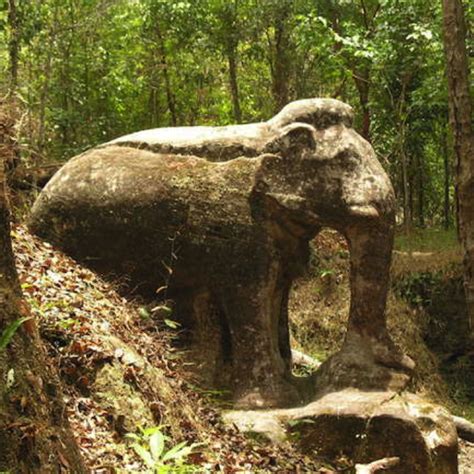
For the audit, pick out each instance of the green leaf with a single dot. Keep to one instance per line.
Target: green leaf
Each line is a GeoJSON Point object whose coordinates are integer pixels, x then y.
{"type": "Point", "coordinates": [178, 452]}
{"type": "Point", "coordinates": [171, 324]}
{"type": "Point", "coordinates": [301, 421]}
{"type": "Point", "coordinates": [147, 432]}
{"type": "Point", "coordinates": [144, 454]}
{"type": "Point", "coordinates": [143, 312]}
{"type": "Point", "coordinates": [157, 445]}
{"type": "Point", "coordinates": [10, 331]}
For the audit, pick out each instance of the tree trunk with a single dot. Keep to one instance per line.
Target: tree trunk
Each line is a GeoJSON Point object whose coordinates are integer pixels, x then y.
{"type": "Point", "coordinates": [282, 56]}
{"type": "Point", "coordinates": [447, 178]}
{"type": "Point", "coordinates": [43, 101]}
{"type": "Point", "coordinates": [361, 80]}
{"type": "Point", "coordinates": [34, 431]}
{"type": "Point", "coordinates": [460, 108]}
{"type": "Point", "coordinates": [13, 43]}
{"type": "Point", "coordinates": [401, 119]}
{"type": "Point", "coordinates": [421, 189]}
{"type": "Point", "coordinates": [231, 30]}
{"type": "Point", "coordinates": [407, 215]}
{"type": "Point", "coordinates": [234, 86]}
{"type": "Point", "coordinates": [170, 98]}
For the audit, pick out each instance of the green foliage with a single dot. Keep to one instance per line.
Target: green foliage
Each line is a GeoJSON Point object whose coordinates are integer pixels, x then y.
{"type": "Point", "coordinates": [417, 288]}
{"type": "Point", "coordinates": [427, 240]}
{"type": "Point", "coordinates": [91, 70]}
{"type": "Point", "coordinates": [150, 446]}
{"type": "Point", "coordinates": [9, 332]}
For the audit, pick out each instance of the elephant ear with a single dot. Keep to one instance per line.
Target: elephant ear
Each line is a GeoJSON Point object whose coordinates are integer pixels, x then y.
{"type": "Point", "coordinates": [276, 194]}
{"type": "Point", "coordinates": [293, 140]}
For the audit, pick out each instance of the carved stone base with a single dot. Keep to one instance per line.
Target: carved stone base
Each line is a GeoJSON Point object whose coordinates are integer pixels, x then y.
{"type": "Point", "coordinates": [365, 426]}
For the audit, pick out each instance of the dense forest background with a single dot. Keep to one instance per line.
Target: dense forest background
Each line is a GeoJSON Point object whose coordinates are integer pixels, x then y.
{"type": "Point", "coordinates": [86, 71]}
{"type": "Point", "coordinates": [76, 73]}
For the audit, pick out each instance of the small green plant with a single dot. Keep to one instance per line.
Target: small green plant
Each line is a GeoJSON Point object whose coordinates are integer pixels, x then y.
{"type": "Point", "coordinates": [418, 288]}
{"type": "Point", "coordinates": [326, 272]}
{"type": "Point", "coordinates": [10, 331]}
{"type": "Point", "coordinates": [150, 445]}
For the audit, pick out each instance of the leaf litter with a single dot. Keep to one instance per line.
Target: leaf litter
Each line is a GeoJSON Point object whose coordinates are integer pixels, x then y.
{"type": "Point", "coordinates": [119, 369]}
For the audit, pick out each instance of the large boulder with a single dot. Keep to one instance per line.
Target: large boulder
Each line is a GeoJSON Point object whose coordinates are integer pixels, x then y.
{"type": "Point", "coordinates": [364, 427]}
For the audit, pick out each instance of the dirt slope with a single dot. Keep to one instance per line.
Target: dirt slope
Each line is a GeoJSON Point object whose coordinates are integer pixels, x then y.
{"type": "Point", "coordinates": [122, 372]}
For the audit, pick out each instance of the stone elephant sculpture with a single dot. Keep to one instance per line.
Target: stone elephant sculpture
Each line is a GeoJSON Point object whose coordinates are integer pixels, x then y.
{"type": "Point", "coordinates": [228, 238]}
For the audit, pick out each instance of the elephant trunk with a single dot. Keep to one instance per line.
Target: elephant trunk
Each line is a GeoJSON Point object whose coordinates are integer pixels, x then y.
{"type": "Point", "coordinates": [370, 245]}
{"type": "Point", "coordinates": [368, 358]}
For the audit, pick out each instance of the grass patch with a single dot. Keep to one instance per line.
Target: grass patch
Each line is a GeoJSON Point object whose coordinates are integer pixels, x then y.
{"type": "Point", "coordinates": [427, 240]}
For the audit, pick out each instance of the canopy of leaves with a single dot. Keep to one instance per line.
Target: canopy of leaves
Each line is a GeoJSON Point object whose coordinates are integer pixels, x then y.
{"type": "Point", "coordinates": [91, 70]}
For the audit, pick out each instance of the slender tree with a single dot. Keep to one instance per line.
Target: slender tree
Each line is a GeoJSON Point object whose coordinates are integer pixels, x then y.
{"type": "Point", "coordinates": [281, 57]}
{"type": "Point", "coordinates": [34, 431]}
{"type": "Point", "coordinates": [13, 43]}
{"type": "Point", "coordinates": [230, 18]}
{"type": "Point", "coordinates": [460, 106]}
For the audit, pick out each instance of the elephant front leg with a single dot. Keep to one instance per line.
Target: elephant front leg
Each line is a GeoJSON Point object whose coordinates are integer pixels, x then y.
{"type": "Point", "coordinates": [261, 376]}
{"type": "Point", "coordinates": [368, 359]}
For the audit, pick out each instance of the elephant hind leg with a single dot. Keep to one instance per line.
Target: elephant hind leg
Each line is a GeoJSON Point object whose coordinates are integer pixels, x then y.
{"type": "Point", "coordinates": [207, 336]}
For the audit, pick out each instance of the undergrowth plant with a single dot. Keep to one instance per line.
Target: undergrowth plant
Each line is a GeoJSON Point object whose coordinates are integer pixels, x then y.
{"type": "Point", "coordinates": [10, 331]}
{"type": "Point", "coordinates": [150, 444]}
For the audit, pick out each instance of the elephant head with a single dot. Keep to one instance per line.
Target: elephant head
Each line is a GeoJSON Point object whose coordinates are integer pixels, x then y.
{"type": "Point", "coordinates": [331, 178]}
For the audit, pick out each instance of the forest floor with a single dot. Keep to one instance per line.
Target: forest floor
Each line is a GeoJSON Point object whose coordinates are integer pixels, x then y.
{"type": "Point", "coordinates": [128, 387]}
{"type": "Point", "coordinates": [122, 375]}
{"type": "Point", "coordinates": [425, 310]}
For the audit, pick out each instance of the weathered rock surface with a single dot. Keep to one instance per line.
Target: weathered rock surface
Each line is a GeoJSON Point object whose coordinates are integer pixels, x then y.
{"type": "Point", "coordinates": [365, 426]}
{"type": "Point", "coordinates": [233, 141]}
{"type": "Point", "coordinates": [227, 239]}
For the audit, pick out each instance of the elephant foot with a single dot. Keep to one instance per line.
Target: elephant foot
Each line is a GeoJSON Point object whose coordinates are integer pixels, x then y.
{"type": "Point", "coordinates": [365, 363]}
{"type": "Point", "coordinates": [282, 394]}
{"type": "Point", "coordinates": [388, 354]}
{"type": "Point", "coordinates": [381, 349]}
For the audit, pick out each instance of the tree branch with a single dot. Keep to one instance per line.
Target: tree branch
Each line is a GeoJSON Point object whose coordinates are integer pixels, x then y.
{"type": "Point", "coordinates": [379, 465]}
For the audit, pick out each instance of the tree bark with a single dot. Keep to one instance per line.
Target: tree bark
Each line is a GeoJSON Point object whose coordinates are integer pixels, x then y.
{"type": "Point", "coordinates": [460, 108]}
{"type": "Point", "coordinates": [421, 189]}
{"type": "Point", "coordinates": [34, 433]}
{"type": "Point", "coordinates": [13, 43]}
{"type": "Point", "coordinates": [401, 119]}
{"type": "Point", "coordinates": [282, 56]}
{"type": "Point", "coordinates": [170, 98]}
{"type": "Point", "coordinates": [362, 82]}
{"type": "Point", "coordinates": [229, 18]}
{"type": "Point", "coordinates": [234, 86]}
{"type": "Point", "coordinates": [407, 215]}
{"type": "Point", "coordinates": [447, 180]}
